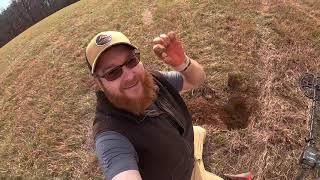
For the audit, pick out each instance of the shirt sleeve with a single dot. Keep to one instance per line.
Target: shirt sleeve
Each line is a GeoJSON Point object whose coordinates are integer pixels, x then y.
{"type": "Point", "coordinates": [115, 153]}
{"type": "Point", "coordinates": [174, 78]}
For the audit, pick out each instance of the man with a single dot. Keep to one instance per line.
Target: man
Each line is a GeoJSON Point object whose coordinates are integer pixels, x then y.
{"type": "Point", "coordinates": [142, 127]}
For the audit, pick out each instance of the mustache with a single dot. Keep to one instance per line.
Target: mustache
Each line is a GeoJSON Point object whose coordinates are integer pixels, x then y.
{"type": "Point", "coordinates": [129, 83]}
{"type": "Point", "coordinates": [140, 104]}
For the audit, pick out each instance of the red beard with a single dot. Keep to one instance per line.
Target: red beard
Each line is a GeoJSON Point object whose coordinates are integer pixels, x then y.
{"type": "Point", "coordinates": [138, 105]}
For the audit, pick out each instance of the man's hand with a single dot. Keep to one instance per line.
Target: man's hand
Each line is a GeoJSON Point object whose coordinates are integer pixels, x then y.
{"type": "Point", "coordinates": [169, 49]}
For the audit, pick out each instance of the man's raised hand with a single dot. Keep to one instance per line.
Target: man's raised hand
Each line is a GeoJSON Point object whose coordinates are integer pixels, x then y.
{"type": "Point", "coordinates": [169, 49]}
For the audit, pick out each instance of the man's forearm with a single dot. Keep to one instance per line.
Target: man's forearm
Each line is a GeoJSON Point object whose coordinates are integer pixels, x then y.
{"type": "Point", "coordinates": [194, 75]}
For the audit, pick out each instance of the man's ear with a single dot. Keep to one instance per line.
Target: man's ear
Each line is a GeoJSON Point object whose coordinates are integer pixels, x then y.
{"type": "Point", "coordinates": [99, 83]}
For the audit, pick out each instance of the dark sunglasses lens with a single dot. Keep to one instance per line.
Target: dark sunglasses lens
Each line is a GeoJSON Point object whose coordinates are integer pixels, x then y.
{"type": "Point", "coordinates": [114, 74]}
{"type": "Point", "coordinates": [132, 62]}
{"type": "Point", "coordinates": [117, 72]}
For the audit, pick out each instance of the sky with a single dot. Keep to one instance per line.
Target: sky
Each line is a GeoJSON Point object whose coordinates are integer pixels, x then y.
{"type": "Point", "coordinates": [4, 4]}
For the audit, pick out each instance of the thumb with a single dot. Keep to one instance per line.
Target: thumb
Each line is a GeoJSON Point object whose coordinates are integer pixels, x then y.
{"type": "Point", "coordinates": [159, 50]}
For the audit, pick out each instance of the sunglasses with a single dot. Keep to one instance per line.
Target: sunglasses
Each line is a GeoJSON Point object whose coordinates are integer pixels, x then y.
{"type": "Point", "coordinates": [117, 71]}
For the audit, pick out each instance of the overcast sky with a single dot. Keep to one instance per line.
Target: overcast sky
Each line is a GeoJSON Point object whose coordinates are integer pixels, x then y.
{"type": "Point", "coordinates": [4, 4]}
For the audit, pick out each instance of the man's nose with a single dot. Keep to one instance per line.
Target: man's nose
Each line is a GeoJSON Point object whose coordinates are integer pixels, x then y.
{"type": "Point", "coordinates": [128, 74]}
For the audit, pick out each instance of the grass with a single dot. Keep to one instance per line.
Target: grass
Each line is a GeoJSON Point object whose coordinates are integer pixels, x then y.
{"type": "Point", "coordinates": [47, 100]}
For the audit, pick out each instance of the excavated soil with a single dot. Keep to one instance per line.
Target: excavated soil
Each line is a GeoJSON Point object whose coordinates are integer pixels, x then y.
{"type": "Point", "coordinates": [225, 113]}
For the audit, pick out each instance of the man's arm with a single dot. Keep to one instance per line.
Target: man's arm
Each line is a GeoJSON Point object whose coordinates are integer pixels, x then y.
{"type": "Point", "coordinates": [128, 175]}
{"type": "Point", "coordinates": [169, 49]}
{"type": "Point", "coordinates": [117, 156]}
{"type": "Point", "coordinates": [193, 76]}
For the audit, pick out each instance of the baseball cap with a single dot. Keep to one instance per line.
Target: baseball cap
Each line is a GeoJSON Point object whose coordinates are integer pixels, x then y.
{"type": "Point", "coordinates": [101, 42]}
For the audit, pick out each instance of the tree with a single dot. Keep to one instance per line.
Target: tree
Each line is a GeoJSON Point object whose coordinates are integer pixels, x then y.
{"type": "Point", "coordinates": [21, 14]}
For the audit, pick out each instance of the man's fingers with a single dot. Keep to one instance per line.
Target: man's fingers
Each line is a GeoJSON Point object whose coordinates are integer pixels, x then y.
{"type": "Point", "coordinates": [168, 48]}
{"type": "Point", "coordinates": [164, 55]}
{"type": "Point", "coordinates": [157, 40]}
{"type": "Point", "coordinates": [159, 50]}
{"type": "Point", "coordinates": [167, 59]}
{"type": "Point", "coordinates": [172, 36]}
{"type": "Point", "coordinates": [165, 39]}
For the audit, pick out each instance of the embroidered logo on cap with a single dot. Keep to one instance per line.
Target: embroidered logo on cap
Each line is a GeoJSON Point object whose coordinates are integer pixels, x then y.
{"type": "Point", "coordinates": [103, 39]}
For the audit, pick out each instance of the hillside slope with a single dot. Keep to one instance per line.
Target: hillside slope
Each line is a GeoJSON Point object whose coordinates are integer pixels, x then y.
{"type": "Point", "coordinates": [253, 53]}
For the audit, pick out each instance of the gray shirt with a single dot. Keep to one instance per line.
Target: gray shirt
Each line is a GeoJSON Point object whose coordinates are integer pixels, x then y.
{"type": "Point", "coordinates": [115, 152]}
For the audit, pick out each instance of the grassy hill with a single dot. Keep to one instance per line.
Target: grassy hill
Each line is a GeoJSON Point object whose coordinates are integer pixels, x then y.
{"type": "Point", "coordinates": [253, 53]}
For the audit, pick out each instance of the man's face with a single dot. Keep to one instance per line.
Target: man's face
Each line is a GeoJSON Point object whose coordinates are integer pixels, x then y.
{"type": "Point", "coordinates": [129, 87]}
{"type": "Point", "coordinates": [129, 83]}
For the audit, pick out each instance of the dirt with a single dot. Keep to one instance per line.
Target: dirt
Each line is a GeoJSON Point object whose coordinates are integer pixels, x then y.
{"type": "Point", "coordinates": [233, 114]}
{"type": "Point", "coordinates": [206, 112]}
{"type": "Point", "coordinates": [229, 113]}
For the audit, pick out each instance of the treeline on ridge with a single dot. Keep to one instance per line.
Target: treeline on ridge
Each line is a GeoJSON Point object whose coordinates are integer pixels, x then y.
{"type": "Point", "coordinates": [21, 14]}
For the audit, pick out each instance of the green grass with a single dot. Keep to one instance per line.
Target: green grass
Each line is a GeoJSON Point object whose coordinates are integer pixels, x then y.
{"type": "Point", "coordinates": [46, 92]}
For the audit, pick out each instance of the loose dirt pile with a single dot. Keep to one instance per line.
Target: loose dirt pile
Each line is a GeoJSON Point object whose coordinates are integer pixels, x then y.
{"type": "Point", "coordinates": [229, 113]}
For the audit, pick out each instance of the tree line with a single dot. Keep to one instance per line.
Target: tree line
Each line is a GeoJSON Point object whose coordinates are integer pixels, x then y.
{"type": "Point", "coordinates": [21, 14]}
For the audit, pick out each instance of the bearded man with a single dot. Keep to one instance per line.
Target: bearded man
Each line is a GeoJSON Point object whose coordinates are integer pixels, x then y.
{"type": "Point", "coordinates": [142, 127]}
